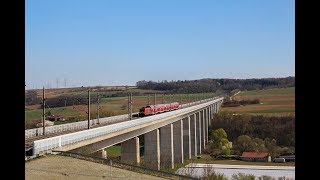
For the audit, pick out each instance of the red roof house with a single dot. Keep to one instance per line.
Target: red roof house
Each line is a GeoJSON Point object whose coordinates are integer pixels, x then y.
{"type": "Point", "coordinates": [255, 156]}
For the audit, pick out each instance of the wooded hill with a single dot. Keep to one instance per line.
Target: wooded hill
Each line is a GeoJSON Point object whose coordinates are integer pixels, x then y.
{"type": "Point", "coordinates": [216, 85]}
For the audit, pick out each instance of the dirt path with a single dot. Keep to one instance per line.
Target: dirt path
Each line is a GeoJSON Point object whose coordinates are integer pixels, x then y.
{"type": "Point", "coordinates": [61, 167]}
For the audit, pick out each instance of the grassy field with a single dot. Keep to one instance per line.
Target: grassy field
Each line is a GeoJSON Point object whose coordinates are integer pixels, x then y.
{"type": "Point", "coordinates": [109, 106]}
{"type": "Point", "coordinates": [37, 114]}
{"type": "Point", "coordinates": [278, 102]}
{"type": "Point", "coordinates": [62, 167]}
{"type": "Point", "coordinates": [113, 151]}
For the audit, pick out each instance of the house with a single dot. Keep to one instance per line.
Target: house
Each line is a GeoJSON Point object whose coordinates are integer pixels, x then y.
{"type": "Point", "coordinates": [256, 156]}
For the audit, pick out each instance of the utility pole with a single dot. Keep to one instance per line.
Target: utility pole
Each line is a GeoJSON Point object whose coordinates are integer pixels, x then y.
{"type": "Point", "coordinates": [154, 108]}
{"type": "Point", "coordinates": [163, 98]}
{"type": "Point", "coordinates": [170, 100]}
{"type": "Point", "coordinates": [130, 105]}
{"type": "Point", "coordinates": [43, 112]}
{"type": "Point", "coordinates": [89, 108]}
{"type": "Point", "coordinates": [98, 107]}
{"type": "Point", "coordinates": [148, 99]}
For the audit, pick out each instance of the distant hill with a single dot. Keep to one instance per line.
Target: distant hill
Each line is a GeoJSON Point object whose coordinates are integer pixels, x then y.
{"type": "Point", "coordinates": [216, 85]}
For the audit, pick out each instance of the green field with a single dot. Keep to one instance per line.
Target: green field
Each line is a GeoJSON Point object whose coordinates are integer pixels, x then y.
{"type": "Point", "coordinates": [279, 101]}
{"type": "Point", "coordinates": [273, 111]}
{"type": "Point", "coordinates": [113, 151]}
{"type": "Point", "coordinates": [290, 90]}
{"type": "Point", "coordinates": [37, 114]}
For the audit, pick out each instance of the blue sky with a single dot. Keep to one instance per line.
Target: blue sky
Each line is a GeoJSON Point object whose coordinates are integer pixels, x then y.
{"type": "Point", "coordinates": [119, 42]}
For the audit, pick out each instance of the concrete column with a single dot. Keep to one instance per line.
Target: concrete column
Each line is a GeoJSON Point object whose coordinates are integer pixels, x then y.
{"type": "Point", "coordinates": [212, 109]}
{"type": "Point", "coordinates": [203, 128]}
{"type": "Point", "coordinates": [207, 124]}
{"type": "Point", "coordinates": [187, 138]}
{"type": "Point", "coordinates": [199, 140]}
{"type": "Point", "coordinates": [209, 119]}
{"type": "Point", "coordinates": [193, 132]}
{"type": "Point", "coordinates": [178, 141]}
{"type": "Point", "coordinates": [130, 151]}
{"type": "Point", "coordinates": [166, 146]}
{"type": "Point", "coordinates": [218, 104]}
{"type": "Point", "coordinates": [215, 107]}
{"type": "Point", "coordinates": [104, 153]}
{"type": "Point", "coordinates": [152, 149]}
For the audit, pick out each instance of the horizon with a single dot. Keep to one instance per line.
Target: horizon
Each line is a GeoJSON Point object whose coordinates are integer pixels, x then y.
{"type": "Point", "coordinates": [117, 43]}
{"type": "Point", "coordinates": [159, 81]}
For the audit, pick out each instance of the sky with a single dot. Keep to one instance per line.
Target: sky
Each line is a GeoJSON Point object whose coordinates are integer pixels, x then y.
{"type": "Point", "coordinates": [120, 42]}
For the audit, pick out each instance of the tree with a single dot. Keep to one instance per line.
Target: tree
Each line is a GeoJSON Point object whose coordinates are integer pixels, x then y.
{"type": "Point", "coordinates": [219, 134]}
{"type": "Point", "coordinates": [271, 145]}
{"type": "Point", "coordinates": [220, 141]}
{"type": "Point", "coordinates": [258, 145]}
{"type": "Point", "coordinates": [243, 143]}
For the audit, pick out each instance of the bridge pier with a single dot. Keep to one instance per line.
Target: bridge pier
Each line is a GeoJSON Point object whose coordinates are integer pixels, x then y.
{"type": "Point", "coordinates": [204, 128]}
{"type": "Point", "coordinates": [216, 108]}
{"type": "Point", "coordinates": [166, 146]}
{"type": "Point", "coordinates": [209, 120]}
{"type": "Point", "coordinates": [130, 151]}
{"type": "Point", "coordinates": [199, 141]}
{"type": "Point", "coordinates": [193, 132]}
{"type": "Point", "coordinates": [187, 138]}
{"type": "Point", "coordinates": [152, 149]}
{"type": "Point", "coordinates": [178, 141]}
{"type": "Point", "coordinates": [207, 124]}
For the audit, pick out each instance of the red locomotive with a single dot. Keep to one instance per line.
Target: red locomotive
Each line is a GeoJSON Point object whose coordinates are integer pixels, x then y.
{"type": "Point", "coordinates": [158, 108]}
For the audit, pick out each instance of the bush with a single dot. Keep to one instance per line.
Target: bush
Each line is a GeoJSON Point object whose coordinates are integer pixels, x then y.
{"type": "Point", "coordinates": [210, 174]}
{"type": "Point", "coordinates": [242, 176]}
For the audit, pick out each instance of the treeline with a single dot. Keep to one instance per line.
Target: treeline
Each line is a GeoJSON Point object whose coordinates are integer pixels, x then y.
{"type": "Point", "coordinates": [219, 145]}
{"type": "Point", "coordinates": [59, 101]}
{"type": "Point", "coordinates": [280, 128]}
{"type": "Point", "coordinates": [216, 85]}
{"type": "Point", "coordinates": [234, 103]}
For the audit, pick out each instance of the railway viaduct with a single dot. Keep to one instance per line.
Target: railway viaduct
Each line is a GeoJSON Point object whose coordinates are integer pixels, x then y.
{"type": "Point", "coordinates": [169, 137]}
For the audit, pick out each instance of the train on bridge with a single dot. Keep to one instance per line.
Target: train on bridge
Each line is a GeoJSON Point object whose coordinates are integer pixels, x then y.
{"type": "Point", "coordinates": [158, 108]}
